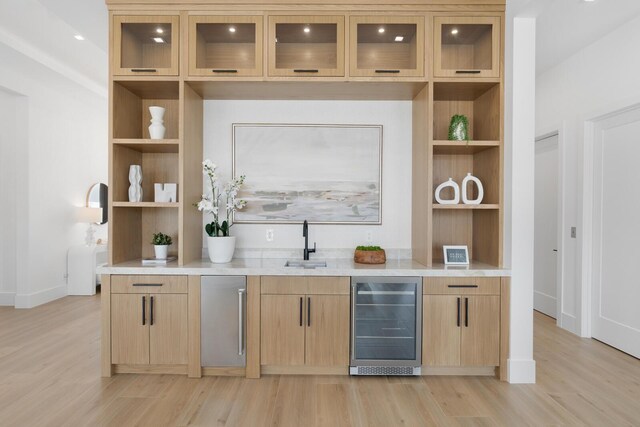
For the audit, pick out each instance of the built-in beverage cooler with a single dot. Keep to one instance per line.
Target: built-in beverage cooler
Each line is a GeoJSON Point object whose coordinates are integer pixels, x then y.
{"type": "Point", "coordinates": [386, 325]}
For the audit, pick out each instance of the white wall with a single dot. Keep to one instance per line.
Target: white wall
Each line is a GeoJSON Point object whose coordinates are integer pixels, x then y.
{"type": "Point", "coordinates": [66, 152]}
{"type": "Point", "coordinates": [601, 78]}
{"type": "Point", "coordinates": [12, 151]}
{"type": "Point", "coordinates": [395, 116]}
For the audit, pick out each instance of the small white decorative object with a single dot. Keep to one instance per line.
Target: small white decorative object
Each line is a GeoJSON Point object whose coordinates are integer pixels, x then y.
{"type": "Point", "coordinates": [165, 193]}
{"type": "Point", "coordinates": [465, 197]}
{"type": "Point", "coordinates": [156, 129]}
{"type": "Point", "coordinates": [221, 249]}
{"type": "Point", "coordinates": [161, 251]}
{"type": "Point", "coordinates": [135, 179]}
{"type": "Point", "coordinates": [456, 192]}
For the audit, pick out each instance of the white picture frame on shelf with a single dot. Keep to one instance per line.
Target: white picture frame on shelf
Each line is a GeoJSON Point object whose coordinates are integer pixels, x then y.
{"type": "Point", "coordinates": [456, 255]}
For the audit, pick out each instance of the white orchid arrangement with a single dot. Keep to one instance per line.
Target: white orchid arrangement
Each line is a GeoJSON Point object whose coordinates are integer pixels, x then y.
{"type": "Point", "coordinates": [211, 203]}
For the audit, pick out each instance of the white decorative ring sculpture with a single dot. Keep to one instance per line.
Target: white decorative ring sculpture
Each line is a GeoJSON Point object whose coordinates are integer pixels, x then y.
{"type": "Point", "coordinates": [465, 198]}
{"type": "Point", "coordinates": [456, 193]}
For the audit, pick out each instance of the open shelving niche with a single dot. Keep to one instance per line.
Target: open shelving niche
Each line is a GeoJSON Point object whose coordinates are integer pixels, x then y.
{"type": "Point", "coordinates": [477, 226]}
{"type": "Point", "coordinates": [162, 161]}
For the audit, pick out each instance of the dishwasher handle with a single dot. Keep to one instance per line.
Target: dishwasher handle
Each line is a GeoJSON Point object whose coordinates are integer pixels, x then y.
{"type": "Point", "coordinates": [241, 293]}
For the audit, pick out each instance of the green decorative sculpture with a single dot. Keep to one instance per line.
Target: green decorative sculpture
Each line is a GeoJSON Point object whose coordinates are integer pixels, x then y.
{"type": "Point", "coordinates": [459, 128]}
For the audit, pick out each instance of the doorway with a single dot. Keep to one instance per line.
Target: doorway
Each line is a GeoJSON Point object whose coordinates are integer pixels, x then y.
{"type": "Point", "coordinates": [545, 272]}
{"type": "Point", "coordinates": [616, 231]}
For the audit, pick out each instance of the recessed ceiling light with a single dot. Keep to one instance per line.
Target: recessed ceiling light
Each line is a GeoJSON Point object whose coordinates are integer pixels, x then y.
{"type": "Point", "coordinates": [307, 30]}
{"type": "Point", "coordinates": [159, 30]}
{"type": "Point", "coordinates": [232, 29]}
{"type": "Point", "coordinates": [454, 31]}
{"type": "Point", "coordinates": [381, 30]}
{"type": "Point", "coordinates": [78, 37]}
{"type": "Point", "coordinates": [588, 1]}
{"type": "Point", "coordinates": [158, 39]}
{"type": "Point", "coordinates": [399, 38]}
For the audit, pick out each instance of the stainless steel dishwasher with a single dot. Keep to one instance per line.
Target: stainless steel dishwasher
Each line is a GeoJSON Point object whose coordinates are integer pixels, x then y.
{"type": "Point", "coordinates": [223, 319]}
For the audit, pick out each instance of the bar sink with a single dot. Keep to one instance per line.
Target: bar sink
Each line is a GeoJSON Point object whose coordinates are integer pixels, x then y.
{"type": "Point", "coordinates": [305, 264]}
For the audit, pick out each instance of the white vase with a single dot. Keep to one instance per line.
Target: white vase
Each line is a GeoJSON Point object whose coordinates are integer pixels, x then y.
{"type": "Point", "coordinates": [135, 179]}
{"type": "Point", "coordinates": [465, 198]}
{"type": "Point", "coordinates": [456, 193]}
{"type": "Point", "coordinates": [221, 248]}
{"type": "Point", "coordinates": [156, 129]}
{"type": "Point", "coordinates": [161, 251]}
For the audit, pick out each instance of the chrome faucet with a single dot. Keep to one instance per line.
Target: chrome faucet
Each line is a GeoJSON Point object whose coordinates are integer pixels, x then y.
{"type": "Point", "coordinates": [305, 233]}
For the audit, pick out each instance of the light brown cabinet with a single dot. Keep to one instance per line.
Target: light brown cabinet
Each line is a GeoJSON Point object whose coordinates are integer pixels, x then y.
{"type": "Point", "coordinates": [304, 329]}
{"type": "Point", "coordinates": [306, 46]}
{"type": "Point", "coordinates": [461, 322]}
{"type": "Point", "coordinates": [466, 46]}
{"type": "Point", "coordinates": [225, 46]}
{"type": "Point", "coordinates": [387, 46]}
{"type": "Point", "coordinates": [148, 328]}
{"type": "Point", "coordinates": [145, 45]}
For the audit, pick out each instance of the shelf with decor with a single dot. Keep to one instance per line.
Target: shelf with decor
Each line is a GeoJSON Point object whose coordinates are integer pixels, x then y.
{"type": "Point", "coordinates": [462, 147]}
{"type": "Point", "coordinates": [482, 206]}
{"type": "Point", "coordinates": [131, 114]}
{"type": "Point", "coordinates": [149, 145]}
{"type": "Point", "coordinates": [146, 204]}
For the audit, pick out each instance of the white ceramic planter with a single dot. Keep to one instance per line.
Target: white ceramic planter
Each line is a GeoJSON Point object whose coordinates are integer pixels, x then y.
{"type": "Point", "coordinates": [221, 249]}
{"type": "Point", "coordinates": [161, 251]}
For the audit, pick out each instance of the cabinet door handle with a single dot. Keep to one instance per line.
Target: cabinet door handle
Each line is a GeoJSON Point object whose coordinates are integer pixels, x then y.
{"type": "Point", "coordinates": [300, 311]}
{"type": "Point", "coordinates": [151, 312]}
{"type": "Point", "coordinates": [466, 312]}
{"type": "Point", "coordinates": [143, 70]}
{"type": "Point", "coordinates": [458, 312]}
{"type": "Point", "coordinates": [299, 70]}
{"type": "Point", "coordinates": [462, 286]}
{"type": "Point", "coordinates": [147, 284]}
{"type": "Point", "coordinates": [467, 71]}
{"type": "Point", "coordinates": [309, 311]}
{"type": "Point", "coordinates": [388, 71]}
{"type": "Point", "coordinates": [241, 322]}
{"type": "Point", "coordinates": [224, 71]}
{"type": "Point", "coordinates": [144, 310]}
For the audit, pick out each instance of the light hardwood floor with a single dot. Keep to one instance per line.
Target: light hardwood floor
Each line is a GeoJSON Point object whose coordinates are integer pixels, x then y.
{"type": "Point", "coordinates": [50, 375]}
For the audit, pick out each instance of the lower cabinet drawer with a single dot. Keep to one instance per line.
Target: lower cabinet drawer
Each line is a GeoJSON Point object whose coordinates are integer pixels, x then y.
{"type": "Point", "coordinates": [149, 284]}
{"type": "Point", "coordinates": [461, 286]}
{"type": "Point", "coordinates": [304, 285]}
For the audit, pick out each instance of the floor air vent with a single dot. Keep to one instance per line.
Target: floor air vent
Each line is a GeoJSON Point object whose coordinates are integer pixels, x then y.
{"type": "Point", "coordinates": [384, 370]}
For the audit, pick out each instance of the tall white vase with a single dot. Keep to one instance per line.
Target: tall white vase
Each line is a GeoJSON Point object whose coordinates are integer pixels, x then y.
{"type": "Point", "coordinates": [456, 193]}
{"type": "Point", "coordinates": [156, 129]}
{"type": "Point", "coordinates": [135, 179]}
{"type": "Point", "coordinates": [465, 198]}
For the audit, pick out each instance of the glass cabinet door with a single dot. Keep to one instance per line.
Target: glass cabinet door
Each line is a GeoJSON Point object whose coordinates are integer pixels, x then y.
{"type": "Point", "coordinates": [225, 46]}
{"type": "Point", "coordinates": [385, 320]}
{"type": "Point", "coordinates": [387, 46]}
{"type": "Point", "coordinates": [467, 47]}
{"type": "Point", "coordinates": [306, 46]}
{"type": "Point", "coordinates": [145, 45]}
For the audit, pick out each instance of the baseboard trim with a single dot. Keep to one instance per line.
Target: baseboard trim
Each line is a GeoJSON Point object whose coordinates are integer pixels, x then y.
{"type": "Point", "coordinates": [7, 299]}
{"type": "Point", "coordinates": [304, 370]}
{"type": "Point", "coordinates": [569, 323]}
{"type": "Point", "coordinates": [521, 371]}
{"type": "Point", "coordinates": [41, 297]}
{"type": "Point", "coordinates": [545, 303]}
{"type": "Point", "coordinates": [489, 371]}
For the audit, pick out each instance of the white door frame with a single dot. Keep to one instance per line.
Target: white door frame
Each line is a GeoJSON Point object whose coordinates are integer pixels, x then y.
{"type": "Point", "coordinates": [559, 217]}
{"type": "Point", "coordinates": [588, 189]}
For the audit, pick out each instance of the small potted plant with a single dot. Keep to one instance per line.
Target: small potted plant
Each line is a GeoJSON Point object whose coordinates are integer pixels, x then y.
{"type": "Point", "coordinates": [220, 244]}
{"type": "Point", "coordinates": [161, 243]}
{"type": "Point", "coordinates": [369, 255]}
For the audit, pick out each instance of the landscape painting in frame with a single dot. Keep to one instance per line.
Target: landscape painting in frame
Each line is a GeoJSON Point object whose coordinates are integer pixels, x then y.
{"type": "Point", "coordinates": [320, 173]}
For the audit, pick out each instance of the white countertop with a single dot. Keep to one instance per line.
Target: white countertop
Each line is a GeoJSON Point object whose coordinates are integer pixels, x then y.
{"type": "Point", "coordinates": [335, 267]}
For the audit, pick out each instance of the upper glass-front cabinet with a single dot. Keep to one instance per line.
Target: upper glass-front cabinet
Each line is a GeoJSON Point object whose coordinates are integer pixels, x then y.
{"type": "Point", "coordinates": [386, 46]}
{"type": "Point", "coordinates": [306, 46]}
{"type": "Point", "coordinates": [145, 45]}
{"type": "Point", "coordinates": [225, 46]}
{"type": "Point", "coordinates": [467, 47]}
